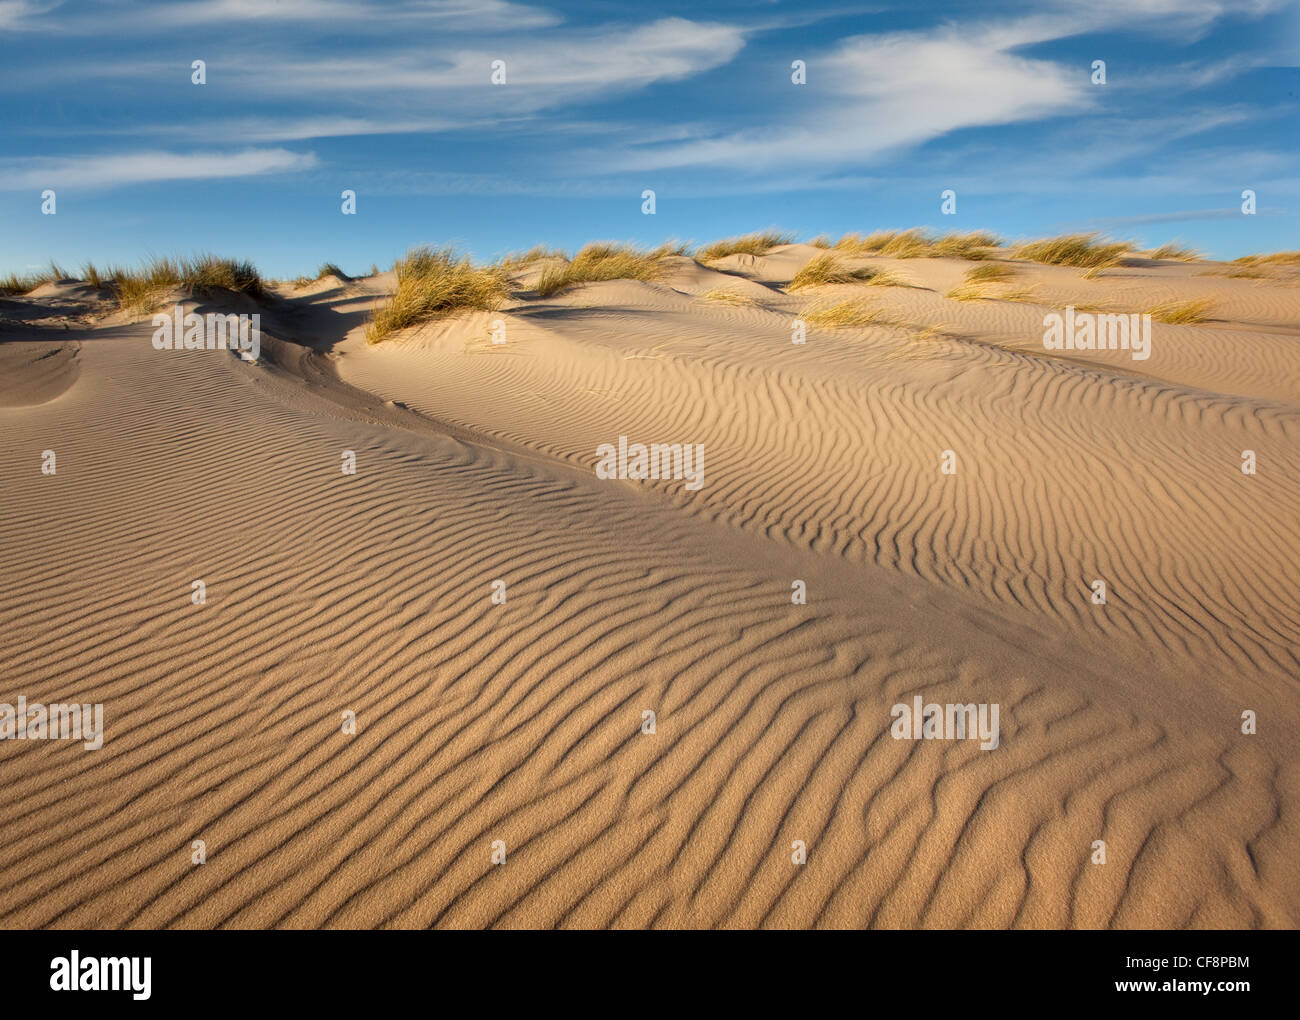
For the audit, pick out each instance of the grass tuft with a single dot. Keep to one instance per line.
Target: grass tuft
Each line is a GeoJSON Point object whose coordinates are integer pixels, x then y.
{"type": "Point", "coordinates": [140, 290]}
{"type": "Point", "coordinates": [916, 243]}
{"type": "Point", "coordinates": [976, 245]}
{"type": "Point", "coordinates": [847, 315]}
{"type": "Point", "coordinates": [13, 284]}
{"type": "Point", "coordinates": [727, 297]}
{"type": "Point", "coordinates": [1087, 251]}
{"type": "Point", "coordinates": [1175, 252]}
{"type": "Point", "coordinates": [872, 244]}
{"type": "Point", "coordinates": [604, 261]}
{"type": "Point", "coordinates": [978, 279]}
{"type": "Point", "coordinates": [516, 259]}
{"type": "Point", "coordinates": [672, 247]}
{"type": "Point", "coordinates": [907, 244]}
{"type": "Point", "coordinates": [434, 282]}
{"type": "Point", "coordinates": [330, 269]}
{"type": "Point", "coordinates": [1277, 258]}
{"type": "Point", "coordinates": [1182, 313]}
{"type": "Point", "coordinates": [749, 244]}
{"type": "Point", "coordinates": [824, 269]}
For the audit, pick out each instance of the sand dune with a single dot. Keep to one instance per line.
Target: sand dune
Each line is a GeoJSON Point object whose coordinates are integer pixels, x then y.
{"type": "Point", "coordinates": [521, 722]}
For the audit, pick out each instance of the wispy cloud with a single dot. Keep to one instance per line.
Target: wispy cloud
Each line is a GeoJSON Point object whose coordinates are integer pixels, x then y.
{"type": "Point", "coordinates": [458, 14]}
{"type": "Point", "coordinates": [540, 70]}
{"type": "Point", "coordinates": [121, 169]}
{"type": "Point", "coordinates": [324, 15]}
{"type": "Point", "coordinates": [874, 94]}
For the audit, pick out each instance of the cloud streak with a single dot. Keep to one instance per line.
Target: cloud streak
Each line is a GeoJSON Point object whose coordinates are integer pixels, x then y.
{"type": "Point", "coordinates": [124, 169]}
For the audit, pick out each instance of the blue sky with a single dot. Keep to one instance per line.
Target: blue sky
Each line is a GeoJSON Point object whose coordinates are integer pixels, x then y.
{"type": "Point", "coordinates": [602, 100]}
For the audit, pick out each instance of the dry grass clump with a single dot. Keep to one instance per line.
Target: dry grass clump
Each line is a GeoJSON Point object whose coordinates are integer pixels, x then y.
{"type": "Point", "coordinates": [821, 241]}
{"type": "Point", "coordinates": [977, 281]}
{"type": "Point", "coordinates": [1175, 253]}
{"type": "Point", "coordinates": [672, 247]}
{"type": "Point", "coordinates": [1182, 313]}
{"type": "Point", "coordinates": [727, 297]}
{"type": "Point", "coordinates": [1087, 251]}
{"type": "Point", "coordinates": [516, 259]}
{"type": "Point", "coordinates": [847, 315]}
{"type": "Point", "coordinates": [14, 284]}
{"type": "Point", "coordinates": [990, 272]}
{"type": "Point", "coordinates": [907, 244]}
{"type": "Point", "coordinates": [824, 269]}
{"type": "Point", "coordinates": [140, 290]}
{"type": "Point", "coordinates": [976, 245]}
{"type": "Point", "coordinates": [886, 278]}
{"type": "Point", "coordinates": [602, 261]}
{"type": "Point", "coordinates": [856, 244]}
{"type": "Point", "coordinates": [1277, 258]}
{"type": "Point", "coordinates": [916, 243]}
{"type": "Point", "coordinates": [748, 244]}
{"type": "Point", "coordinates": [433, 282]}
{"type": "Point", "coordinates": [330, 269]}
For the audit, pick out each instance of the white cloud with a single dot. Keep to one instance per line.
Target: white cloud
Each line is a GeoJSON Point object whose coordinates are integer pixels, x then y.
{"type": "Point", "coordinates": [449, 14]}
{"type": "Point", "coordinates": [540, 70]}
{"type": "Point", "coordinates": [148, 167]}
{"type": "Point", "coordinates": [880, 93]}
{"type": "Point", "coordinates": [446, 15]}
{"type": "Point", "coordinates": [872, 95]}
{"type": "Point", "coordinates": [19, 14]}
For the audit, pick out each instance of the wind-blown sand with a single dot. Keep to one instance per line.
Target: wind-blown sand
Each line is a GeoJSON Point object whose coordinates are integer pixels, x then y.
{"type": "Point", "coordinates": [522, 722]}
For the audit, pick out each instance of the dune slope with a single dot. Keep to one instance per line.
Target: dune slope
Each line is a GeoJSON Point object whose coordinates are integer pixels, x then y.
{"type": "Point", "coordinates": [522, 722]}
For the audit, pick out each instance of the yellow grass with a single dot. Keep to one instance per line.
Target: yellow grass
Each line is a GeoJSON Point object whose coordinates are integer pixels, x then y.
{"type": "Point", "coordinates": [856, 244]}
{"type": "Point", "coordinates": [908, 244]}
{"type": "Point", "coordinates": [990, 272]}
{"type": "Point", "coordinates": [1175, 252]}
{"type": "Point", "coordinates": [140, 290]}
{"type": "Point", "coordinates": [431, 283]}
{"type": "Point", "coordinates": [847, 315]}
{"type": "Point", "coordinates": [1087, 251]}
{"type": "Point", "coordinates": [14, 284]}
{"type": "Point", "coordinates": [672, 247]}
{"type": "Point", "coordinates": [603, 261]}
{"type": "Point", "coordinates": [749, 244]}
{"type": "Point", "coordinates": [978, 244]}
{"type": "Point", "coordinates": [1182, 313]}
{"type": "Point", "coordinates": [728, 297]}
{"type": "Point", "coordinates": [916, 243]}
{"type": "Point", "coordinates": [824, 269]}
{"type": "Point", "coordinates": [535, 254]}
{"type": "Point", "coordinates": [1277, 258]}
{"type": "Point", "coordinates": [886, 278]}
{"type": "Point", "coordinates": [975, 284]}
